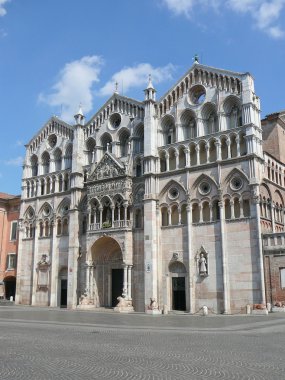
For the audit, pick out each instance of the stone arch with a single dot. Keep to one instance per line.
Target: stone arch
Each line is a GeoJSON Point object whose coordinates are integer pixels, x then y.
{"type": "Point", "coordinates": [124, 136]}
{"type": "Point", "coordinates": [138, 137]}
{"type": "Point", "coordinates": [107, 270]}
{"type": "Point", "coordinates": [68, 156]}
{"type": "Point", "coordinates": [90, 145]}
{"type": "Point", "coordinates": [106, 141]}
{"type": "Point", "coordinates": [210, 118]}
{"type": "Point", "coordinates": [189, 124]}
{"type": "Point", "coordinates": [204, 177]}
{"type": "Point", "coordinates": [168, 129]}
{"type": "Point", "coordinates": [57, 159]}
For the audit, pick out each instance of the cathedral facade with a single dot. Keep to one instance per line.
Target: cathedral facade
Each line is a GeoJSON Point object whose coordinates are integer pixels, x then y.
{"type": "Point", "coordinates": [151, 205]}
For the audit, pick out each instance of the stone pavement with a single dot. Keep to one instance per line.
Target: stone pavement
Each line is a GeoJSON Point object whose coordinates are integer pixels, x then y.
{"type": "Point", "coordinates": [43, 344]}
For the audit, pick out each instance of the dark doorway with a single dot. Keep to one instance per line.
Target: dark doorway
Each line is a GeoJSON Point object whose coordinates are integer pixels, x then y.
{"type": "Point", "coordinates": [117, 285]}
{"type": "Point", "coordinates": [178, 293]}
{"type": "Point", "coordinates": [63, 293]}
{"type": "Point", "coordinates": [10, 287]}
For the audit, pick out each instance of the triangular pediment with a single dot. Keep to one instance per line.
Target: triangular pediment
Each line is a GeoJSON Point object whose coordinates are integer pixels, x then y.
{"type": "Point", "coordinates": [108, 167]}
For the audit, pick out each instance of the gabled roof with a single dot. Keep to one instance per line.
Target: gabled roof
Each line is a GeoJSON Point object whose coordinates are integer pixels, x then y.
{"type": "Point", "coordinates": [204, 67]}
{"type": "Point", "coordinates": [113, 97]}
{"type": "Point", "coordinates": [54, 119]}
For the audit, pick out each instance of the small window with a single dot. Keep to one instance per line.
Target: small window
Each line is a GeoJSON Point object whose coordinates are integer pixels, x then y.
{"type": "Point", "coordinates": [11, 261]}
{"type": "Point", "coordinates": [282, 278]}
{"type": "Point", "coordinates": [13, 235]}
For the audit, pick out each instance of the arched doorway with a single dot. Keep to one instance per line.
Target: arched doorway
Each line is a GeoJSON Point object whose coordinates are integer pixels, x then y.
{"type": "Point", "coordinates": [178, 286]}
{"type": "Point", "coordinates": [10, 287]}
{"type": "Point", "coordinates": [106, 282]}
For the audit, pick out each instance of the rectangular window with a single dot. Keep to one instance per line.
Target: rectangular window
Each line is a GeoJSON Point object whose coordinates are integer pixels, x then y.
{"type": "Point", "coordinates": [11, 261]}
{"type": "Point", "coordinates": [13, 235]}
{"type": "Point", "coordinates": [282, 278]}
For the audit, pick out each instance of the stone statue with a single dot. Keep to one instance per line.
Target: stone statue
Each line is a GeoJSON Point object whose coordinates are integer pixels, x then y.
{"type": "Point", "coordinates": [153, 304]}
{"type": "Point", "coordinates": [123, 302]}
{"type": "Point", "coordinates": [202, 265]}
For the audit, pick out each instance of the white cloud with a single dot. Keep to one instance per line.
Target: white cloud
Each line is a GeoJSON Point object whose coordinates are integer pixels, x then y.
{"type": "Point", "coordinates": [136, 76]}
{"type": "Point", "coordinates": [264, 13]}
{"type": "Point", "coordinates": [18, 161]}
{"type": "Point", "coordinates": [2, 9]}
{"type": "Point", "coordinates": [74, 86]}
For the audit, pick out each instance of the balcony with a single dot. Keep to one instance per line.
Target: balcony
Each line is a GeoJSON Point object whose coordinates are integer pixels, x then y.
{"type": "Point", "coordinates": [117, 224]}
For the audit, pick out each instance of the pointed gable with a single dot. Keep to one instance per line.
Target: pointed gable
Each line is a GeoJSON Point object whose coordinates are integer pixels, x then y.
{"type": "Point", "coordinates": [108, 167]}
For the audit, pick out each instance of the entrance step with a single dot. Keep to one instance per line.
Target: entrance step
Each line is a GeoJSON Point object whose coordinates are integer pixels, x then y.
{"type": "Point", "coordinates": [6, 303]}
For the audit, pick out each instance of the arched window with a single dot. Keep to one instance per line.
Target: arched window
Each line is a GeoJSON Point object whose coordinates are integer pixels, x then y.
{"type": "Point", "coordinates": [174, 215]}
{"type": "Point", "coordinates": [168, 130]}
{"type": "Point", "coordinates": [45, 162]}
{"type": "Point", "coordinates": [34, 165]}
{"type": "Point", "coordinates": [57, 159]}
{"type": "Point", "coordinates": [106, 141]}
{"type": "Point", "coordinates": [90, 147]}
{"type": "Point", "coordinates": [195, 213]}
{"type": "Point", "coordinates": [65, 227]}
{"type": "Point", "coordinates": [124, 142]}
{"type": "Point", "coordinates": [58, 230]}
{"type": "Point", "coordinates": [68, 157]}
{"type": "Point", "coordinates": [189, 125]}
{"type": "Point", "coordinates": [164, 216]}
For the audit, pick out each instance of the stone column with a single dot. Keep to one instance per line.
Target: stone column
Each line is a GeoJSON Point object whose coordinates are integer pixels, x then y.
{"type": "Point", "coordinates": [241, 215]}
{"type": "Point", "coordinates": [255, 199]}
{"type": "Point", "coordinates": [197, 148]}
{"type": "Point", "coordinates": [36, 259]}
{"type": "Point", "coordinates": [54, 268]}
{"type": "Point", "coordinates": [176, 160]}
{"type": "Point", "coordinates": [113, 215]}
{"type": "Point", "coordinates": [207, 152]}
{"type": "Point", "coordinates": [125, 282]}
{"type": "Point", "coordinates": [191, 266]}
{"type": "Point", "coordinates": [218, 150]}
{"type": "Point", "coordinates": [228, 142]}
{"type": "Point", "coordinates": [226, 294]}
{"type": "Point", "coordinates": [232, 204]}
{"type": "Point", "coordinates": [238, 145]}
{"type": "Point", "coordinates": [169, 216]}
{"type": "Point", "coordinates": [187, 157]}
{"type": "Point", "coordinates": [129, 282]}
{"type": "Point", "coordinates": [101, 216]}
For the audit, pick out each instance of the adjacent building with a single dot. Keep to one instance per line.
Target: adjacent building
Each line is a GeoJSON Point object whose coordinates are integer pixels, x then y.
{"type": "Point", "coordinates": [153, 204]}
{"type": "Point", "coordinates": [9, 214]}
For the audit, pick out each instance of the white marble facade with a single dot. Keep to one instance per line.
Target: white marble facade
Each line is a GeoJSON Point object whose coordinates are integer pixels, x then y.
{"type": "Point", "coordinates": [148, 200]}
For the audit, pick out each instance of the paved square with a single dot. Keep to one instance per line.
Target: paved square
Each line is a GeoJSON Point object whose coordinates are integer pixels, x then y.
{"type": "Point", "coordinates": [48, 344]}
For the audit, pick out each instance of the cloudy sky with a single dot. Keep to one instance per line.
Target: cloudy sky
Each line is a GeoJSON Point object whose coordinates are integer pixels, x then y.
{"type": "Point", "coordinates": [56, 54]}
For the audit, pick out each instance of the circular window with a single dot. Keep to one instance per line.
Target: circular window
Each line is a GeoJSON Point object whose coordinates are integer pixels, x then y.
{"type": "Point", "coordinates": [46, 211]}
{"type": "Point", "coordinates": [236, 183]}
{"type": "Point", "coordinates": [52, 140]}
{"type": "Point", "coordinates": [115, 120]}
{"type": "Point", "coordinates": [173, 193]}
{"type": "Point", "coordinates": [204, 188]}
{"type": "Point", "coordinates": [197, 95]}
{"type": "Point", "coordinates": [30, 214]}
{"type": "Point", "coordinates": [65, 209]}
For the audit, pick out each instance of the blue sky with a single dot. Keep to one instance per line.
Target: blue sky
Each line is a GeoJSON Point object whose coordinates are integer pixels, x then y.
{"type": "Point", "coordinates": [55, 54]}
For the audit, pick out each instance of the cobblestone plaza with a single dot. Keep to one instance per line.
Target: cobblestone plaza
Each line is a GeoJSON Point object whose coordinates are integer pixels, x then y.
{"type": "Point", "coordinates": [46, 344]}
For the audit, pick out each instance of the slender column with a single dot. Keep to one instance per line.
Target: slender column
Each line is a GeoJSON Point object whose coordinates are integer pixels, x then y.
{"type": "Point", "coordinates": [218, 150]}
{"type": "Point", "coordinates": [228, 141]}
{"type": "Point", "coordinates": [187, 157]}
{"type": "Point", "coordinates": [232, 204]}
{"type": "Point", "coordinates": [179, 215]}
{"type": "Point", "coordinates": [197, 148]}
{"type": "Point", "coordinates": [241, 209]}
{"type": "Point", "coordinates": [200, 212]}
{"type": "Point", "coordinates": [207, 152]}
{"type": "Point", "coordinates": [113, 215]}
{"type": "Point", "coordinates": [125, 213]}
{"type": "Point", "coordinates": [169, 216]}
{"type": "Point", "coordinates": [101, 216]}
{"type": "Point", "coordinates": [272, 216]}
{"type": "Point", "coordinates": [176, 160]}
{"type": "Point", "coordinates": [129, 282]}
{"type": "Point", "coordinates": [238, 145]}
{"type": "Point", "coordinates": [125, 282]}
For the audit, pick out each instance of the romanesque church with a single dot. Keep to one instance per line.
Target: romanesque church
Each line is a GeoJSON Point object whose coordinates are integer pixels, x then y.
{"type": "Point", "coordinates": [158, 204]}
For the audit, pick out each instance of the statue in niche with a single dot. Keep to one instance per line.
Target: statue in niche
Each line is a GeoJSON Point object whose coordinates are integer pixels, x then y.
{"type": "Point", "coordinates": [203, 271]}
{"type": "Point", "coordinates": [43, 272]}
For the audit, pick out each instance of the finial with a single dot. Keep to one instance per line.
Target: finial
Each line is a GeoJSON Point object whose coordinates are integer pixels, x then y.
{"type": "Point", "coordinates": [116, 88]}
{"type": "Point", "coordinates": [80, 109]}
{"type": "Point", "coordinates": [196, 58]}
{"type": "Point", "coordinates": [150, 85]}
